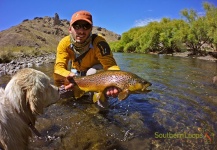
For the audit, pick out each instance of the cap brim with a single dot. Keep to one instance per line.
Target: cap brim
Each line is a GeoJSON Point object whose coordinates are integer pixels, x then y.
{"type": "Point", "coordinates": [77, 19]}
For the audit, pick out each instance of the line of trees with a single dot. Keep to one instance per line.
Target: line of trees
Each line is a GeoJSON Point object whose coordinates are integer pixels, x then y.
{"type": "Point", "coordinates": [195, 33]}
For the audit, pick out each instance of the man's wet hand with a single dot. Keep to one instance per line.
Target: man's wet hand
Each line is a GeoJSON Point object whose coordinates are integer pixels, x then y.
{"type": "Point", "coordinates": [69, 82]}
{"type": "Point", "coordinates": [112, 91]}
{"type": "Point", "coordinates": [64, 93]}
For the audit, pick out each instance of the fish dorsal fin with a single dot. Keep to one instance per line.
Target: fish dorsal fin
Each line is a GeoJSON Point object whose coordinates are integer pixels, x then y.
{"type": "Point", "coordinates": [78, 92]}
{"type": "Point", "coordinates": [123, 94]}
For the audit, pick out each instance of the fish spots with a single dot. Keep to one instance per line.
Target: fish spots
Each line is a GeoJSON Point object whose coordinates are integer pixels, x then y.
{"type": "Point", "coordinates": [125, 81]}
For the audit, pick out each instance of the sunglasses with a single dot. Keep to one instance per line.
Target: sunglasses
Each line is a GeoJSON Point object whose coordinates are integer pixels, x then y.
{"type": "Point", "coordinates": [86, 26]}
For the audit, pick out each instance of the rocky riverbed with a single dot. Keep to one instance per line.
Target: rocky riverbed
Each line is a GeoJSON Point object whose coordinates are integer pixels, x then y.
{"type": "Point", "coordinates": [24, 62]}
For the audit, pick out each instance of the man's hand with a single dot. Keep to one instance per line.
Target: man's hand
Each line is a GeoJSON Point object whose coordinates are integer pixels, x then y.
{"type": "Point", "coordinates": [65, 93]}
{"type": "Point", "coordinates": [66, 90]}
{"type": "Point", "coordinates": [68, 83]}
{"type": "Point", "coordinates": [112, 91]}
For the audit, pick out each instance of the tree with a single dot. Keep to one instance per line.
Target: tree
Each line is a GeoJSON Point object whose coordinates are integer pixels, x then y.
{"type": "Point", "coordinates": [197, 35]}
{"type": "Point", "coordinates": [169, 36]}
{"type": "Point", "coordinates": [210, 18]}
{"type": "Point", "coordinates": [149, 39]}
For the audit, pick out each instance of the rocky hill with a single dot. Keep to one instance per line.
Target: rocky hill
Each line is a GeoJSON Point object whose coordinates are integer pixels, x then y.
{"type": "Point", "coordinates": [42, 33]}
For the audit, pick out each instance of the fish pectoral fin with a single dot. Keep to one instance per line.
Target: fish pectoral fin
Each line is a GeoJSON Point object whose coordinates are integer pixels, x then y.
{"type": "Point", "coordinates": [102, 97]}
{"type": "Point", "coordinates": [77, 92]}
{"type": "Point", "coordinates": [123, 94]}
{"type": "Point", "coordinates": [98, 96]}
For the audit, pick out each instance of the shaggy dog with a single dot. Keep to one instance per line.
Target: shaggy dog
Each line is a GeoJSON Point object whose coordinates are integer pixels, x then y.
{"type": "Point", "coordinates": [24, 97]}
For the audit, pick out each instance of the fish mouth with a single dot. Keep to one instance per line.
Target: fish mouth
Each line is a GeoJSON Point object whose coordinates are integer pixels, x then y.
{"type": "Point", "coordinates": [144, 89]}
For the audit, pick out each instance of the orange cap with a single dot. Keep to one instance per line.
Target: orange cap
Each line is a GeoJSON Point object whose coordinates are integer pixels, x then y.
{"type": "Point", "coordinates": [81, 15]}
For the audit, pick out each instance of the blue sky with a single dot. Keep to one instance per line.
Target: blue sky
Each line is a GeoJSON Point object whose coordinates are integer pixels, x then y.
{"type": "Point", "coordinates": [114, 15]}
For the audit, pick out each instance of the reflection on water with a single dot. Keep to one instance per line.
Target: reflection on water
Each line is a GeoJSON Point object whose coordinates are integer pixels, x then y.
{"type": "Point", "coordinates": [180, 112]}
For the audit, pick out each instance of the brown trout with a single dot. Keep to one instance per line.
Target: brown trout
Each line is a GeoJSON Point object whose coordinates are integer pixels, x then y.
{"type": "Point", "coordinates": [126, 82]}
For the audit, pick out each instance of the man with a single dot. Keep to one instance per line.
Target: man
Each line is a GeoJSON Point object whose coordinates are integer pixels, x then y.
{"type": "Point", "coordinates": [82, 53]}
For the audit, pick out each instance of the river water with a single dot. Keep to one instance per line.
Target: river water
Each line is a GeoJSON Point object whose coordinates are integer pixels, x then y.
{"type": "Point", "coordinates": [179, 113]}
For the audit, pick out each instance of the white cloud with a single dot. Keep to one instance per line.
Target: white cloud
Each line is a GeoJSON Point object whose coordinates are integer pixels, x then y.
{"type": "Point", "coordinates": [201, 13]}
{"type": "Point", "coordinates": [145, 21]}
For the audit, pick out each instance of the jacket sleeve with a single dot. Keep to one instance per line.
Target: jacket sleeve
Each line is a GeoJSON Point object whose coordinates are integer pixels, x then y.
{"type": "Point", "coordinates": [62, 57]}
{"type": "Point", "coordinates": [104, 54]}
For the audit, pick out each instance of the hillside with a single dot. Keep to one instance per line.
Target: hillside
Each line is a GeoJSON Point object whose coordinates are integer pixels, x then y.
{"type": "Point", "coordinates": [42, 33]}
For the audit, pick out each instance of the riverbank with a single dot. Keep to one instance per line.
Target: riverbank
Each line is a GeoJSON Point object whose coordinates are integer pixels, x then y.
{"type": "Point", "coordinates": [24, 61]}
{"type": "Point", "coordinates": [186, 54]}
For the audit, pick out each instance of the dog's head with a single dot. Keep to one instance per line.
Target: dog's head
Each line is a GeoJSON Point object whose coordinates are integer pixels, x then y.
{"type": "Point", "coordinates": [30, 90]}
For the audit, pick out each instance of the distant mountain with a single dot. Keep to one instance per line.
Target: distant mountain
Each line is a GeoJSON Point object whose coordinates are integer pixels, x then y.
{"type": "Point", "coordinates": [43, 32]}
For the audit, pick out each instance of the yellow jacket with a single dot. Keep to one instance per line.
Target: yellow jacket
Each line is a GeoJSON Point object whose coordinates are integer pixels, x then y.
{"type": "Point", "coordinates": [94, 56]}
